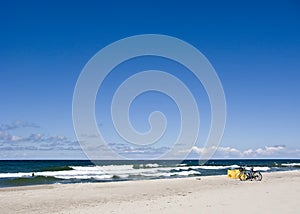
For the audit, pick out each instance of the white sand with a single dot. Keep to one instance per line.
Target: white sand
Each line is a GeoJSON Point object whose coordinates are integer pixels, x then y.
{"type": "Point", "coordinates": [276, 193]}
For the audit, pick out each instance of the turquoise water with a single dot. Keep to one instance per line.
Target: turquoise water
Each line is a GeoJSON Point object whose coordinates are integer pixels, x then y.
{"type": "Point", "coordinates": [36, 172]}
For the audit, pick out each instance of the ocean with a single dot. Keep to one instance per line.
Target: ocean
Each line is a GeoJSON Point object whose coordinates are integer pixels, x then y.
{"type": "Point", "coordinates": [37, 172]}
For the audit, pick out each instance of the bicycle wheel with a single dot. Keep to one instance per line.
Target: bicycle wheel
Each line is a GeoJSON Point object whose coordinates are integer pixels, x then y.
{"type": "Point", "coordinates": [242, 176]}
{"type": "Point", "coordinates": [257, 176]}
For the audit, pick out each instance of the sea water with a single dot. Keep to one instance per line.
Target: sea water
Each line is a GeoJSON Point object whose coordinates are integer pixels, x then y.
{"type": "Point", "coordinates": [35, 172]}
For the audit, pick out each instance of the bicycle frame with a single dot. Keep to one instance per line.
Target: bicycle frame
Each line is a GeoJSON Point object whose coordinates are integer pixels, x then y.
{"type": "Point", "coordinates": [249, 174]}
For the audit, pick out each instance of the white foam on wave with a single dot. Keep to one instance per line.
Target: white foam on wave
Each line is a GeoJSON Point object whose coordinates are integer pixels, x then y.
{"type": "Point", "coordinates": [290, 164]}
{"type": "Point", "coordinates": [124, 171]}
{"type": "Point", "coordinates": [218, 167]}
{"type": "Point", "coordinates": [259, 168]}
{"type": "Point", "coordinates": [85, 177]}
{"type": "Point", "coordinates": [182, 164]}
{"type": "Point", "coordinates": [207, 167]}
{"type": "Point", "coordinates": [108, 171]}
{"type": "Point", "coordinates": [15, 175]}
{"type": "Point", "coordinates": [119, 169]}
{"type": "Point", "coordinates": [187, 173]}
{"type": "Point", "coordinates": [169, 174]}
{"type": "Point", "coordinates": [150, 165]}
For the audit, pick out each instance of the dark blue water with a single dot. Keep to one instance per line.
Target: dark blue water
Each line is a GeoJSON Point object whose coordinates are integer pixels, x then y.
{"type": "Point", "coordinates": [35, 172]}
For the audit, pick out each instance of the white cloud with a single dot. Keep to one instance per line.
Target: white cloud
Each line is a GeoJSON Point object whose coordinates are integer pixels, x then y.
{"type": "Point", "coordinates": [228, 150]}
{"type": "Point", "coordinates": [248, 152]}
{"type": "Point", "coordinates": [34, 141]}
{"type": "Point", "coordinates": [135, 151]}
{"type": "Point", "coordinates": [278, 151]}
{"type": "Point", "coordinates": [38, 142]}
{"type": "Point", "coordinates": [224, 150]}
{"type": "Point", "coordinates": [15, 138]}
{"type": "Point", "coordinates": [6, 137]}
{"type": "Point", "coordinates": [269, 150]}
{"type": "Point", "coordinates": [17, 124]}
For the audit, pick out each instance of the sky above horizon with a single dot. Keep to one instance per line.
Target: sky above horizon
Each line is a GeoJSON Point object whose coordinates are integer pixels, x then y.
{"type": "Point", "coordinates": [254, 48]}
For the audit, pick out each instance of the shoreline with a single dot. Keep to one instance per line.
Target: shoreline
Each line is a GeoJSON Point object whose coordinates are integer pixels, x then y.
{"type": "Point", "coordinates": [277, 192]}
{"type": "Point", "coordinates": [121, 181]}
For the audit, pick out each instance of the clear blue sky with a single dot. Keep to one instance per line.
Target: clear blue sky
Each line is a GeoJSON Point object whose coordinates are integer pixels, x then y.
{"type": "Point", "coordinates": [253, 46]}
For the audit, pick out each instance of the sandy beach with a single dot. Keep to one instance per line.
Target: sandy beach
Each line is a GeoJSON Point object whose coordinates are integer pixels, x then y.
{"type": "Point", "coordinates": [278, 192]}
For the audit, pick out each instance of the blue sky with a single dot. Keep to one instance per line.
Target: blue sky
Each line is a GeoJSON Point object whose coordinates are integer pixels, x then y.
{"type": "Point", "coordinates": [254, 47]}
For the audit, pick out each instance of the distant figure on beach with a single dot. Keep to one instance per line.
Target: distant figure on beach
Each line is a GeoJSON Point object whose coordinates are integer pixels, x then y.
{"type": "Point", "coordinates": [32, 174]}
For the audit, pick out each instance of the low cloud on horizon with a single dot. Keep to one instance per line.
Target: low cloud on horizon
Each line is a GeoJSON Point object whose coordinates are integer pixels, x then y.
{"type": "Point", "coordinates": [276, 151]}
{"type": "Point", "coordinates": [39, 145]}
